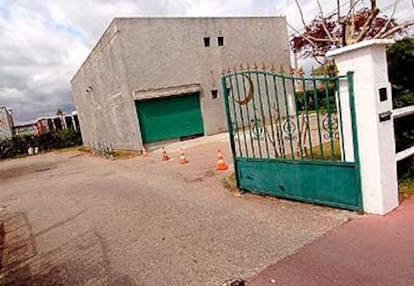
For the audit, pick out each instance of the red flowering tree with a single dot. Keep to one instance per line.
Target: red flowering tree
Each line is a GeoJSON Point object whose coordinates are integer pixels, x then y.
{"type": "Point", "coordinates": [341, 29]}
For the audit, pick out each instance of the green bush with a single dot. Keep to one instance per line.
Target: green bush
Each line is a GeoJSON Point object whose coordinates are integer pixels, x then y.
{"type": "Point", "coordinates": [18, 145]}
{"type": "Point", "coordinates": [400, 57]}
{"type": "Point", "coordinates": [321, 99]}
{"type": "Point", "coordinates": [404, 138]}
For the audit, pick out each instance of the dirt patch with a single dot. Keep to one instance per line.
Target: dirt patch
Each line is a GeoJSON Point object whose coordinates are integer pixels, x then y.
{"type": "Point", "coordinates": [201, 178]}
{"type": "Point", "coordinates": [26, 169]}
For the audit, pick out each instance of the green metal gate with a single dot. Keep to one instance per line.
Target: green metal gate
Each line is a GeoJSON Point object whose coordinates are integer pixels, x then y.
{"type": "Point", "coordinates": [286, 136]}
{"type": "Point", "coordinates": [169, 117]}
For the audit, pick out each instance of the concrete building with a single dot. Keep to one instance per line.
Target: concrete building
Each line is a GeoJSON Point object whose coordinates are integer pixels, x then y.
{"type": "Point", "coordinates": [25, 128]}
{"type": "Point", "coordinates": [48, 124]}
{"type": "Point", "coordinates": [6, 123]}
{"type": "Point", "coordinates": [57, 122]}
{"type": "Point", "coordinates": [155, 79]}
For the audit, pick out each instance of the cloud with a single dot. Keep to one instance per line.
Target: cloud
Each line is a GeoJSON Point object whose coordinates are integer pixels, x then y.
{"type": "Point", "coordinates": [37, 60]}
{"type": "Point", "coordinates": [44, 42]}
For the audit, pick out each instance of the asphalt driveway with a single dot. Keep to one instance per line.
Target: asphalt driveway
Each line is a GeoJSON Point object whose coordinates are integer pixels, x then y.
{"type": "Point", "coordinates": [74, 219]}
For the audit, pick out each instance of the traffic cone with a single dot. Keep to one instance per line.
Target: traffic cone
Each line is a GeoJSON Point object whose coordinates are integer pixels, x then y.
{"type": "Point", "coordinates": [164, 155]}
{"type": "Point", "coordinates": [144, 152]}
{"type": "Point", "coordinates": [183, 159]}
{"type": "Point", "coordinates": [221, 165]}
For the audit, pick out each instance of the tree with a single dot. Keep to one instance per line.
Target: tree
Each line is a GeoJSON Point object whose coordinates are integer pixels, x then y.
{"type": "Point", "coordinates": [400, 57]}
{"type": "Point", "coordinates": [59, 112]}
{"type": "Point", "coordinates": [338, 29]}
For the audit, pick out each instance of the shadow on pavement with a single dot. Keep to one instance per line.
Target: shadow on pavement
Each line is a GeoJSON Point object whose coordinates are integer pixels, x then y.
{"type": "Point", "coordinates": [80, 261]}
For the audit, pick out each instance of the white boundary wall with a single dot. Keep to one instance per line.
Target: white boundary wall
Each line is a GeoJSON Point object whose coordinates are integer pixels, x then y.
{"type": "Point", "coordinates": [374, 122]}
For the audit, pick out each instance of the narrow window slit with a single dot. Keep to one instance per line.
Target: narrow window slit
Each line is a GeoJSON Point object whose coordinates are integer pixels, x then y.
{"type": "Point", "coordinates": [206, 41]}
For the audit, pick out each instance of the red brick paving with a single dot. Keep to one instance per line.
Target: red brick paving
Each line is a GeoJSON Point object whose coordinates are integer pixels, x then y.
{"type": "Point", "coordinates": [370, 251]}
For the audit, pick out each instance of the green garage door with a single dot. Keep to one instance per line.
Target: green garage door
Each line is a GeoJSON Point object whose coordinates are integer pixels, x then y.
{"type": "Point", "coordinates": [169, 117]}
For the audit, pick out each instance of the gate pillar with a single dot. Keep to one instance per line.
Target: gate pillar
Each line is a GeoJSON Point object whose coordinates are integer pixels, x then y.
{"type": "Point", "coordinates": [374, 123]}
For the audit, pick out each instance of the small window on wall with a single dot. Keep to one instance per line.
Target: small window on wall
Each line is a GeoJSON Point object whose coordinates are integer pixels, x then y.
{"type": "Point", "coordinates": [220, 41]}
{"type": "Point", "coordinates": [206, 41]}
{"type": "Point", "coordinates": [214, 94]}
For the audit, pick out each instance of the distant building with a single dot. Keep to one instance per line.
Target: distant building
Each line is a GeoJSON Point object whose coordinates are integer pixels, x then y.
{"type": "Point", "coordinates": [155, 79]}
{"type": "Point", "coordinates": [6, 123]}
{"type": "Point", "coordinates": [47, 124]}
{"type": "Point", "coordinates": [24, 129]}
{"type": "Point", "coordinates": [53, 123]}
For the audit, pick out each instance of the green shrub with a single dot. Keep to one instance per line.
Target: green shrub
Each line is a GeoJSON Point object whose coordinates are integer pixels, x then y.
{"type": "Point", "coordinates": [404, 138]}
{"type": "Point", "coordinates": [318, 98]}
{"type": "Point", "coordinates": [18, 145]}
{"type": "Point", "coordinates": [400, 57]}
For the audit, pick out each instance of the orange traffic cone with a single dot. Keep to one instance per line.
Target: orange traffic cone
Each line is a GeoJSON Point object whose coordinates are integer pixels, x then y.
{"type": "Point", "coordinates": [164, 155]}
{"type": "Point", "coordinates": [221, 165]}
{"type": "Point", "coordinates": [144, 152]}
{"type": "Point", "coordinates": [183, 159]}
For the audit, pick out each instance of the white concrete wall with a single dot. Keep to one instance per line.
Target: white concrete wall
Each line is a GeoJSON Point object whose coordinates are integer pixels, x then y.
{"type": "Point", "coordinates": [137, 54]}
{"type": "Point", "coordinates": [102, 96]}
{"type": "Point", "coordinates": [164, 52]}
{"type": "Point", "coordinates": [375, 138]}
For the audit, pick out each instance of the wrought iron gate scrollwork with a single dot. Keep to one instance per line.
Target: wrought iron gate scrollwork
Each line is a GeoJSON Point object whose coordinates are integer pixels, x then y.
{"type": "Point", "coordinates": [330, 126]}
{"type": "Point", "coordinates": [286, 141]}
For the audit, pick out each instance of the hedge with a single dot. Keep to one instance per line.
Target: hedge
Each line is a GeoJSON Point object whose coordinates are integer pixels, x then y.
{"type": "Point", "coordinates": [19, 145]}
{"type": "Point", "coordinates": [404, 138]}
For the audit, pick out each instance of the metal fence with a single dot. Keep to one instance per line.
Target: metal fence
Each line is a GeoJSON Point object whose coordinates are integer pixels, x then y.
{"type": "Point", "coordinates": [286, 117]}
{"type": "Point", "coordinates": [287, 136]}
{"type": "Point", "coordinates": [400, 113]}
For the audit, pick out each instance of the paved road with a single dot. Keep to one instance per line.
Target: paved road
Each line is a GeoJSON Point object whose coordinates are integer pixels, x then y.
{"type": "Point", "coordinates": [73, 219]}
{"type": "Point", "coordinates": [374, 251]}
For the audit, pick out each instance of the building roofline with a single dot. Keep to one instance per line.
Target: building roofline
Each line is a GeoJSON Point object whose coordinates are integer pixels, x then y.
{"type": "Point", "coordinates": [7, 109]}
{"type": "Point", "coordinates": [114, 20]}
{"type": "Point", "coordinates": [20, 124]}
{"type": "Point", "coordinates": [201, 17]}
{"type": "Point", "coordinates": [33, 121]}
{"type": "Point", "coordinates": [95, 46]}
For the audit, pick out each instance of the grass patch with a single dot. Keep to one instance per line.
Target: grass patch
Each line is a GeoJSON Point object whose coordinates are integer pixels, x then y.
{"type": "Point", "coordinates": [125, 154]}
{"type": "Point", "coordinates": [406, 187]}
{"type": "Point", "coordinates": [327, 153]}
{"type": "Point", "coordinates": [84, 149]}
{"type": "Point", "coordinates": [230, 182]}
{"type": "Point", "coordinates": [232, 179]}
{"type": "Point", "coordinates": [117, 154]}
{"type": "Point", "coordinates": [69, 149]}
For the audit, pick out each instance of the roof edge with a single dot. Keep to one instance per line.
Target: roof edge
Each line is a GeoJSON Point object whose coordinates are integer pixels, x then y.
{"type": "Point", "coordinates": [95, 47]}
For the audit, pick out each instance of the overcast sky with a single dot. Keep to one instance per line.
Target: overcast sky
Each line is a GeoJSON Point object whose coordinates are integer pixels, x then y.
{"type": "Point", "coordinates": [44, 42]}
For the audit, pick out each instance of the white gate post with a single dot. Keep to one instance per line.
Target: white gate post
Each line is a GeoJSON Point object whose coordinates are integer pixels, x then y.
{"type": "Point", "coordinates": [375, 127]}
